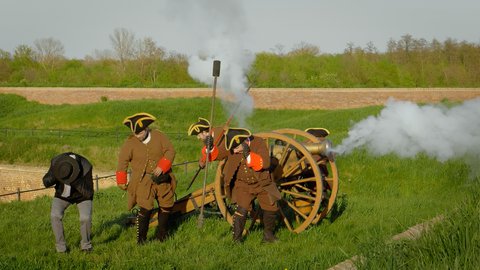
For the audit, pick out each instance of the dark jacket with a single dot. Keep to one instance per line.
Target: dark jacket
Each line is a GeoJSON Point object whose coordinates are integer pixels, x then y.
{"type": "Point", "coordinates": [81, 187]}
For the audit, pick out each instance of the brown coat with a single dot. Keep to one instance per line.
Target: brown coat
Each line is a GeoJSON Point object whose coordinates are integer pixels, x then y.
{"type": "Point", "coordinates": [248, 183]}
{"type": "Point", "coordinates": [143, 159]}
{"type": "Point", "coordinates": [236, 162]}
{"type": "Point", "coordinates": [219, 141]}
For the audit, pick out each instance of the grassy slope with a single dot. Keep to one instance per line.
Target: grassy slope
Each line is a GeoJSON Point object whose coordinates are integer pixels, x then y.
{"type": "Point", "coordinates": [379, 196]}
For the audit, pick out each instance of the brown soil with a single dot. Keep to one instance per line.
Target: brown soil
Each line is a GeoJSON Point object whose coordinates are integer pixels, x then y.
{"type": "Point", "coordinates": [264, 98]}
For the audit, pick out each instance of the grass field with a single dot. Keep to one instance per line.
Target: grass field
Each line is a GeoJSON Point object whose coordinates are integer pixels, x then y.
{"type": "Point", "coordinates": [378, 198]}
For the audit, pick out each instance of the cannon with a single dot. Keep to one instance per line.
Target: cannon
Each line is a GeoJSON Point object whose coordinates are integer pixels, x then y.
{"type": "Point", "coordinates": [305, 173]}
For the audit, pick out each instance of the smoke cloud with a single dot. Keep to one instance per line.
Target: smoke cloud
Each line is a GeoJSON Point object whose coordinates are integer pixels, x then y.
{"type": "Point", "coordinates": [218, 28]}
{"type": "Point", "coordinates": [406, 129]}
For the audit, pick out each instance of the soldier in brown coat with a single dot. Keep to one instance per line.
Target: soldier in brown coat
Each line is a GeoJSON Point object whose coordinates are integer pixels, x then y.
{"type": "Point", "coordinates": [247, 170]}
{"type": "Point", "coordinates": [150, 155]}
{"type": "Point", "coordinates": [214, 142]}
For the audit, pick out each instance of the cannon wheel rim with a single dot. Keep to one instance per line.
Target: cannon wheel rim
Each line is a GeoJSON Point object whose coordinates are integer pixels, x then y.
{"type": "Point", "coordinates": [307, 218]}
{"type": "Point", "coordinates": [332, 180]}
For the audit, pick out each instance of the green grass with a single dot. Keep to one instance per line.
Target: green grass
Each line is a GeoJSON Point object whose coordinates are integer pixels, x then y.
{"type": "Point", "coordinates": [378, 198]}
{"type": "Point", "coordinates": [453, 243]}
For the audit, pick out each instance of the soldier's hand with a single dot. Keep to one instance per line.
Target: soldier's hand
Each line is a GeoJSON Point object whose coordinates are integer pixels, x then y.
{"type": "Point", "coordinates": [157, 171]}
{"type": "Point", "coordinates": [208, 143]}
{"type": "Point", "coordinates": [122, 186]}
{"type": "Point", "coordinates": [201, 164]}
{"type": "Point", "coordinates": [246, 150]}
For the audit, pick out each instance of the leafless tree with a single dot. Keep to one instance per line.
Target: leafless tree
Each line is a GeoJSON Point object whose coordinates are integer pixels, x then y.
{"type": "Point", "coordinates": [278, 49]}
{"type": "Point", "coordinates": [305, 49]}
{"type": "Point", "coordinates": [48, 52]}
{"type": "Point", "coordinates": [103, 55]}
{"type": "Point", "coordinates": [370, 48]}
{"type": "Point", "coordinates": [148, 54]}
{"type": "Point", "coordinates": [350, 47]}
{"type": "Point", "coordinates": [406, 43]}
{"type": "Point", "coordinates": [123, 43]}
{"type": "Point", "coordinates": [147, 48]}
{"type": "Point", "coordinates": [23, 52]}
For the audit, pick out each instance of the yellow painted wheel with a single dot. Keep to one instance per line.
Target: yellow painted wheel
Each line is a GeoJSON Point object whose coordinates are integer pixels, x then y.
{"type": "Point", "coordinates": [330, 181]}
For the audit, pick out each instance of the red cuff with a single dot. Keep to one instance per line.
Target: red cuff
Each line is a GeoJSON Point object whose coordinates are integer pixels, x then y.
{"type": "Point", "coordinates": [121, 177]}
{"type": "Point", "coordinates": [256, 162]}
{"type": "Point", "coordinates": [164, 164]}
{"type": "Point", "coordinates": [213, 155]}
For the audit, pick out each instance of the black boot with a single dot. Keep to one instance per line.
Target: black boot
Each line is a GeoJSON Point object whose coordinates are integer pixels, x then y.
{"type": "Point", "coordinates": [239, 219]}
{"type": "Point", "coordinates": [162, 226]}
{"type": "Point", "coordinates": [143, 221]}
{"type": "Point", "coordinates": [269, 220]}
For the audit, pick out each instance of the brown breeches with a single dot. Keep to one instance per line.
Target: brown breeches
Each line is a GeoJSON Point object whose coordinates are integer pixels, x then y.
{"type": "Point", "coordinates": [244, 194]}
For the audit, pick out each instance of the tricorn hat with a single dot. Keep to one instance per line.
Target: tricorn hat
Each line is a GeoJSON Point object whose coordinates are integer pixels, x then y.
{"type": "Point", "coordinates": [198, 127]}
{"type": "Point", "coordinates": [318, 132]}
{"type": "Point", "coordinates": [66, 169]}
{"type": "Point", "coordinates": [235, 136]}
{"type": "Point", "coordinates": [139, 121]}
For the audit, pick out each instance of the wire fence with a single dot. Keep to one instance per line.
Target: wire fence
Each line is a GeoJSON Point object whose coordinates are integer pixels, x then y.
{"type": "Point", "coordinates": [95, 179]}
{"type": "Point", "coordinates": [118, 135]}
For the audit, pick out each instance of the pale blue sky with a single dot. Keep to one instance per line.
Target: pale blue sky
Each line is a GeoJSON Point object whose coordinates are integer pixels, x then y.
{"type": "Point", "coordinates": [178, 25]}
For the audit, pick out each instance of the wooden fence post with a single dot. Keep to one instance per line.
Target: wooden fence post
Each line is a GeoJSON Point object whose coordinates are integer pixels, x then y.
{"type": "Point", "coordinates": [18, 194]}
{"type": "Point", "coordinates": [96, 180]}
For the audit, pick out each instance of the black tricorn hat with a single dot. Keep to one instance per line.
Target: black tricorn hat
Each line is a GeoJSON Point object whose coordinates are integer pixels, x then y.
{"type": "Point", "coordinates": [66, 169]}
{"type": "Point", "coordinates": [139, 121]}
{"type": "Point", "coordinates": [235, 136]}
{"type": "Point", "coordinates": [196, 128]}
{"type": "Point", "coordinates": [318, 132]}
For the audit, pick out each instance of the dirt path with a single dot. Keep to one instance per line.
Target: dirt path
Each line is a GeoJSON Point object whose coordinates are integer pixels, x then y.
{"type": "Point", "coordinates": [14, 177]}
{"type": "Point", "coordinates": [264, 98]}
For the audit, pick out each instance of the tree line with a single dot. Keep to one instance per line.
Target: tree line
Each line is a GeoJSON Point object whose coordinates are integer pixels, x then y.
{"type": "Point", "coordinates": [407, 62]}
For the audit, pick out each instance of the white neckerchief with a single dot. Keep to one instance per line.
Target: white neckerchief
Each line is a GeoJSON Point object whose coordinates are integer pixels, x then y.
{"type": "Point", "coordinates": [248, 158]}
{"type": "Point", "coordinates": [147, 139]}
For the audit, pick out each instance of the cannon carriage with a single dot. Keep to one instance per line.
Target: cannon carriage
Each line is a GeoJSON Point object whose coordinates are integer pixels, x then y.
{"type": "Point", "coordinates": [303, 169]}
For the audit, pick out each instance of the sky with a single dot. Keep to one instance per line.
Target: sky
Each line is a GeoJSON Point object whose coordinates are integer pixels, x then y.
{"type": "Point", "coordinates": [181, 26]}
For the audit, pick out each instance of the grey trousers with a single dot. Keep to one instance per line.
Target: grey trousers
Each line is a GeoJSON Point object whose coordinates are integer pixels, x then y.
{"type": "Point", "coordinates": [56, 216]}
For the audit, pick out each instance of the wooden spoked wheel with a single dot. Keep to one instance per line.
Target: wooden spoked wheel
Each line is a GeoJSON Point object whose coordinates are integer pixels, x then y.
{"type": "Point", "coordinates": [330, 183]}
{"type": "Point", "coordinates": [300, 201]}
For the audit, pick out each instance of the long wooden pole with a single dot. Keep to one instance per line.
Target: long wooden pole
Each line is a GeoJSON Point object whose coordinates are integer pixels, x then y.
{"type": "Point", "coordinates": [218, 138]}
{"type": "Point", "coordinates": [216, 73]}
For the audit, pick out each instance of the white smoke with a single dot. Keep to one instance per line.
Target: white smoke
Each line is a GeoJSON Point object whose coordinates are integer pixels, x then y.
{"type": "Point", "coordinates": [406, 129]}
{"type": "Point", "coordinates": [218, 28]}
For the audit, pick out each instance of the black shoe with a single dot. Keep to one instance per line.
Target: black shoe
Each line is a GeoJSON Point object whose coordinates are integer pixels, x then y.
{"type": "Point", "coordinates": [270, 239]}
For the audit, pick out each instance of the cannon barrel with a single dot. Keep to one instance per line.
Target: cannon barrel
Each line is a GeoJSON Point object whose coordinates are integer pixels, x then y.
{"type": "Point", "coordinates": [322, 148]}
